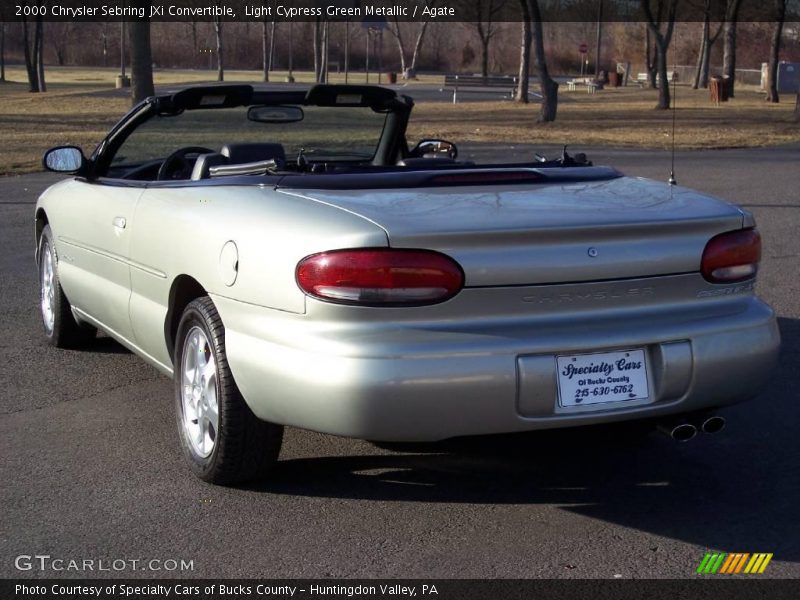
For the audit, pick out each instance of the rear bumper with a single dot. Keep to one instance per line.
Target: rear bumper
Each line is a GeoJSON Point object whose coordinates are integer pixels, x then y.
{"type": "Point", "coordinates": [412, 384]}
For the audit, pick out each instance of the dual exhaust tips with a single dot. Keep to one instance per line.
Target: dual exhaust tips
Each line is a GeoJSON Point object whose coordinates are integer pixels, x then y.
{"type": "Point", "coordinates": [684, 429]}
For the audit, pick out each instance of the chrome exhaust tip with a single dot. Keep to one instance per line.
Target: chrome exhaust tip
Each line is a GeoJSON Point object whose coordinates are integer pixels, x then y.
{"type": "Point", "coordinates": [712, 424]}
{"type": "Point", "coordinates": [680, 432]}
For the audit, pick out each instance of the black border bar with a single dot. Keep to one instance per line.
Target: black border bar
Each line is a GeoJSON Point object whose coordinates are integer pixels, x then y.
{"type": "Point", "coordinates": [711, 587]}
{"type": "Point", "coordinates": [372, 13]}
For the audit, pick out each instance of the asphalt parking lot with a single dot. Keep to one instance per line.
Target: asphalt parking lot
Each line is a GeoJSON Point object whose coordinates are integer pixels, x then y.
{"type": "Point", "coordinates": [91, 466]}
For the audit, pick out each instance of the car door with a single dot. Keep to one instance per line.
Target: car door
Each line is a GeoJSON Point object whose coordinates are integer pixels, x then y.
{"type": "Point", "coordinates": [92, 227]}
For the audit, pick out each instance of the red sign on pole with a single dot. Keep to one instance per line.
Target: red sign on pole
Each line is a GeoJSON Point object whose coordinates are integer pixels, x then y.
{"type": "Point", "coordinates": [583, 48]}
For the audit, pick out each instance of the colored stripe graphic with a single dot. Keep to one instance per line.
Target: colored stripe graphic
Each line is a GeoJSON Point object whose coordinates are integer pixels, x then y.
{"type": "Point", "coordinates": [718, 564]}
{"type": "Point", "coordinates": [764, 564]}
{"type": "Point", "coordinates": [734, 562]}
{"type": "Point", "coordinates": [703, 563]}
{"type": "Point", "coordinates": [742, 560]}
{"type": "Point", "coordinates": [727, 564]}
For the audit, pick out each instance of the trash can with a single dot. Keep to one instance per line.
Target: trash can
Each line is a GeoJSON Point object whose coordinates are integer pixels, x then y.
{"type": "Point", "coordinates": [122, 82]}
{"type": "Point", "coordinates": [718, 89]}
{"type": "Point", "coordinates": [392, 77]}
{"type": "Point", "coordinates": [727, 87]}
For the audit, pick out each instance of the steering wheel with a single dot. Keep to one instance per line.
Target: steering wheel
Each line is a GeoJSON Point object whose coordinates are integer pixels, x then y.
{"type": "Point", "coordinates": [175, 166]}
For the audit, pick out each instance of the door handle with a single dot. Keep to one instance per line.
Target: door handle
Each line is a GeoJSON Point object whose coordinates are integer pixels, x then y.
{"type": "Point", "coordinates": [119, 222]}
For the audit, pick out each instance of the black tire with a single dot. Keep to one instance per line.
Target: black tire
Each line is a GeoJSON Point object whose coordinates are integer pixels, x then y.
{"type": "Point", "coordinates": [61, 329]}
{"type": "Point", "coordinates": [243, 447]}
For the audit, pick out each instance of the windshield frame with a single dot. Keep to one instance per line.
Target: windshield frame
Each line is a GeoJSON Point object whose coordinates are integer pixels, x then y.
{"type": "Point", "coordinates": [391, 145]}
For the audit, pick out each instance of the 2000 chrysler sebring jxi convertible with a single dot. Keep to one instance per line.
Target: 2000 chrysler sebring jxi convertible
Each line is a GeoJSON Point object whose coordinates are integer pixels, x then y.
{"type": "Point", "coordinates": [288, 259]}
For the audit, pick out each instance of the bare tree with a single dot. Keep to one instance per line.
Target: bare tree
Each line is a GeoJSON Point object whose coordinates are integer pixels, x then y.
{"type": "Point", "coordinates": [30, 64]}
{"type": "Point", "coordinates": [323, 62]}
{"type": "Point", "coordinates": [2, 52]}
{"type": "Point", "coordinates": [729, 44]}
{"type": "Point", "coordinates": [141, 60]}
{"type": "Point", "coordinates": [38, 45]}
{"type": "Point", "coordinates": [797, 107]}
{"type": "Point", "coordinates": [61, 34]}
{"type": "Point", "coordinates": [549, 87]}
{"type": "Point", "coordinates": [662, 40]}
{"type": "Point", "coordinates": [317, 48]}
{"type": "Point", "coordinates": [220, 48]}
{"type": "Point", "coordinates": [707, 42]}
{"type": "Point", "coordinates": [265, 49]}
{"type": "Point", "coordinates": [482, 20]}
{"type": "Point", "coordinates": [396, 31]}
{"type": "Point", "coordinates": [271, 58]}
{"type": "Point", "coordinates": [650, 58]}
{"type": "Point", "coordinates": [524, 54]}
{"type": "Point", "coordinates": [775, 50]}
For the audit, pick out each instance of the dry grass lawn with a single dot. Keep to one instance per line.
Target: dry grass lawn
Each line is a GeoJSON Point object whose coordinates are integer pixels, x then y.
{"type": "Point", "coordinates": [81, 105]}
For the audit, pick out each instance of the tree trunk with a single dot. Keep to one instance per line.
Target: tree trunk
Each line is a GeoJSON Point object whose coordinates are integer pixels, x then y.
{"type": "Point", "coordinates": [401, 47]}
{"type": "Point", "coordinates": [775, 50]}
{"type": "Point", "coordinates": [418, 44]}
{"type": "Point", "coordinates": [485, 56]}
{"type": "Point", "coordinates": [104, 38]}
{"type": "Point", "coordinates": [704, 66]}
{"type": "Point", "coordinates": [39, 54]}
{"type": "Point", "coordinates": [264, 51]}
{"type": "Point", "coordinates": [662, 40]}
{"type": "Point", "coordinates": [33, 80]}
{"type": "Point", "coordinates": [651, 65]}
{"type": "Point", "coordinates": [524, 54]}
{"type": "Point", "coordinates": [141, 61]}
{"type": "Point", "coordinates": [729, 48]}
{"type": "Point", "coordinates": [701, 54]}
{"type": "Point", "coordinates": [271, 60]}
{"type": "Point", "coordinates": [317, 44]}
{"type": "Point", "coordinates": [323, 72]}
{"type": "Point", "coordinates": [705, 70]}
{"type": "Point", "coordinates": [346, 50]}
{"type": "Point", "coordinates": [220, 49]}
{"type": "Point", "coordinates": [599, 38]}
{"type": "Point", "coordinates": [2, 52]}
{"type": "Point", "coordinates": [663, 83]}
{"type": "Point", "coordinates": [797, 107]}
{"type": "Point", "coordinates": [549, 106]}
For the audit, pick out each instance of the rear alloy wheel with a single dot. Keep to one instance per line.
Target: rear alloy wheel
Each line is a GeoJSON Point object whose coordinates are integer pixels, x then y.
{"type": "Point", "coordinates": [223, 440]}
{"type": "Point", "coordinates": [60, 326]}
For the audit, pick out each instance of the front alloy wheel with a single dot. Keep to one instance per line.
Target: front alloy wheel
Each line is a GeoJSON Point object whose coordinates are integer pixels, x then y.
{"type": "Point", "coordinates": [60, 326]}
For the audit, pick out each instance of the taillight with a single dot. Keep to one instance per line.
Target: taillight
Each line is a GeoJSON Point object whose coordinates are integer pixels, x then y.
{"type": "Point", "coordinates": [380, 276]}
{"type": "Point", "coordinates": [732, 256]}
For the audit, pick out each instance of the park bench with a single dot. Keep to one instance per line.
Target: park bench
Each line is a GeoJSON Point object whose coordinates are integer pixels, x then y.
{"type": "Point", "coordinates": [642, 78]}
{"type": "Point", "coordinates": [478, 84]}
{"type": "Point", "coordinates": [591, 85]}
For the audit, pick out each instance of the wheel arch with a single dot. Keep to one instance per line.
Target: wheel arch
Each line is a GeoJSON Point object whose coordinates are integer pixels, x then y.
{"type": "Point", "coordinates": [41, 222]}
{"type": "Point", "coordinates": [184, 289]}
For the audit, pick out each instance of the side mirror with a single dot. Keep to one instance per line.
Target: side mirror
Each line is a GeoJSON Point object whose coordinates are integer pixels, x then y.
{"type": "Point", "coordinates": [435, 149]}
{"type": "Point", "coordinates": [64, 159]}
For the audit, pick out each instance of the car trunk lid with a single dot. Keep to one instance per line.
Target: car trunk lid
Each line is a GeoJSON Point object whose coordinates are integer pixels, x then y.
{"type": "Point", "coordinates": [549, 232]}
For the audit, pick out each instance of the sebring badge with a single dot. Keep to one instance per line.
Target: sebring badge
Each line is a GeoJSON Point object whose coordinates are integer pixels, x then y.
{"type": "Point", "coordinates": [593, 252]}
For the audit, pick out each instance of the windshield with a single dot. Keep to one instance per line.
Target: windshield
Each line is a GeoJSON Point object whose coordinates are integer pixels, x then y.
{"type": "Point", "coordinates": [332, 133]}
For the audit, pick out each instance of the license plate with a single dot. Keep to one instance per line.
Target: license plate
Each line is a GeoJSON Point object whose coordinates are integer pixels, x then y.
{"type": "Point", "coordinates": [601, 378]}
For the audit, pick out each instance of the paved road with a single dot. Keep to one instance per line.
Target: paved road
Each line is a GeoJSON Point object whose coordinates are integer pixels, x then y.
{"type": "Point", "coordinates": [91, 468]}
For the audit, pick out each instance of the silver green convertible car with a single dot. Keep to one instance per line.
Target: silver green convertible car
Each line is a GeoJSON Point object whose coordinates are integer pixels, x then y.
{"type": "Point", "coordinates": [288, 259]}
